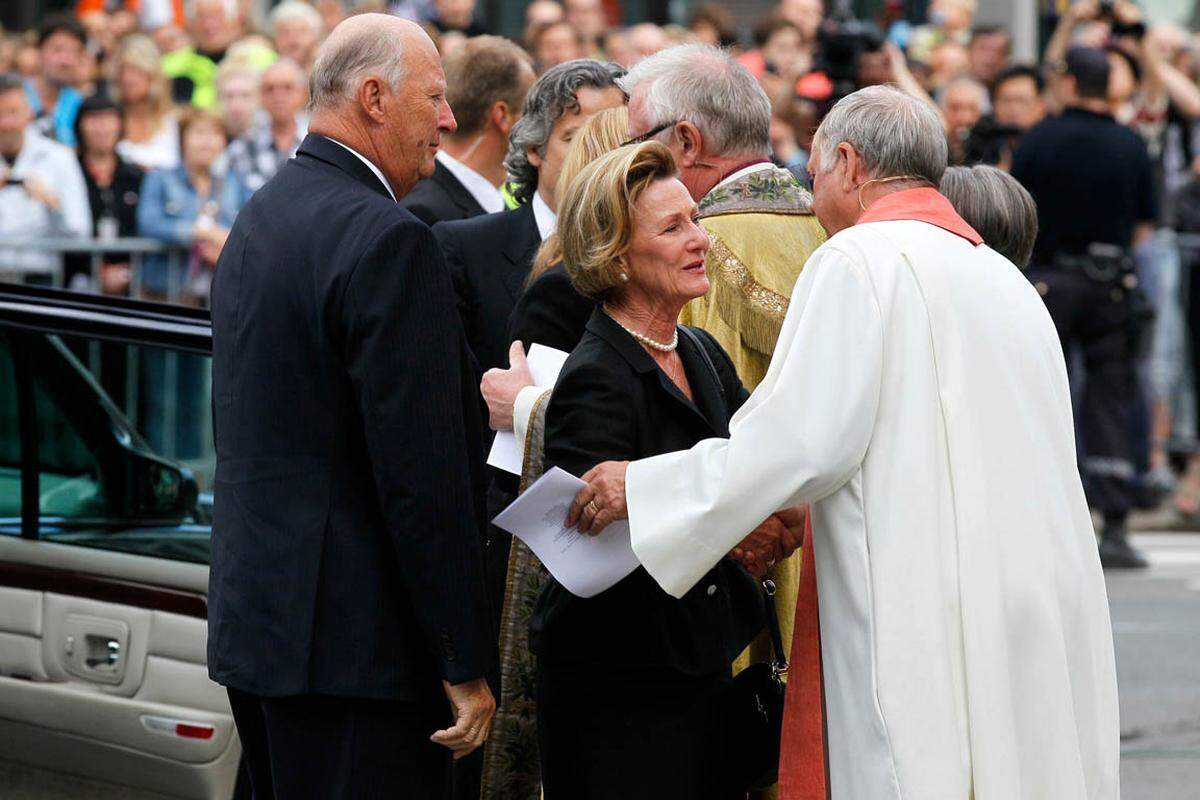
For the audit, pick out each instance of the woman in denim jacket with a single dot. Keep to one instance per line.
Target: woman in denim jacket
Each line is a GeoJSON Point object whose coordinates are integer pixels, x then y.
{"type": "Point", "coordinates": [191, 208]}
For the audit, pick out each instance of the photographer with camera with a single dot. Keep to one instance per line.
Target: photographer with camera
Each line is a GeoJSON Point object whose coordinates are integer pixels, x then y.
{"type": "Point", "coordinates": [1017, 106]}
{"type": "Point", "coordinates": [1092, 180]}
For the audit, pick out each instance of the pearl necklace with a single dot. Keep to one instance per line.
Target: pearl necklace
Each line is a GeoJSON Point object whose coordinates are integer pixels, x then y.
{"type": "Point", "coordinates": [662, 347]}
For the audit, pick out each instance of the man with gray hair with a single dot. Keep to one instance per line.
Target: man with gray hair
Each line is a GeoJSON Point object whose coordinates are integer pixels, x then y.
{"type": "Point", "coordinates": [918, 399]}
{"type": "Point", "coordinates": [347, 617]}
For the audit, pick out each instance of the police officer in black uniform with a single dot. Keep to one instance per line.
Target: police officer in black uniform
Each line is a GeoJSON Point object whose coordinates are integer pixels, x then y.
{"type": "Point", "coordinates": [1092, 179]}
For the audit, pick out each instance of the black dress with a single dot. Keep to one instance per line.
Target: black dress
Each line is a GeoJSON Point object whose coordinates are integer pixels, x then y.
{"type": "Point", "coordinates": [629, 681]}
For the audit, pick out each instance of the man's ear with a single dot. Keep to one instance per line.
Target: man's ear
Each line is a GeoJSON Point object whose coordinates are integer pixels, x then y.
{"type": "Point", "coordinates": [850, 164]}
{"type": "Point", "coordinates": [499, 116]}
{"type": "Point", "coordinates": [535, 158]}
{"type": "Point", "coordinates": [691, 143]}
{"type": "Point", "coordinates": [370, 98]}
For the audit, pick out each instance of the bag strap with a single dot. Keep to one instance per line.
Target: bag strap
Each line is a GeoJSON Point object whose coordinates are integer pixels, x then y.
{"type": "Point", "coordinates": [780, 660]}
{"type": "Point", "coordinates": [708, 362]}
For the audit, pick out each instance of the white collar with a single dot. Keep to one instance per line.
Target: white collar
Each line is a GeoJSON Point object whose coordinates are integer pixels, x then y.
{"type": "Point", "coordinates": [744, 171]}
{"type": "Point", "coordinates": [487, 195]}
{"type": "Point", "coordinates": [372, 167]}
{"type": "Point", "coordinates": [545, 218]}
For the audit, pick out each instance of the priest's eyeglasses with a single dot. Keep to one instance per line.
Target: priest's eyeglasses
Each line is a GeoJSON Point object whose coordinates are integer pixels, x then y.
{"type": "Point", "coordinates": [650, 134]}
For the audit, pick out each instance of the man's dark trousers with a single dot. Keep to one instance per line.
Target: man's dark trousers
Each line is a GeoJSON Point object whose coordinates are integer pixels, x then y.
{"type": "Point", "coordinates": [1094, 316]}
{"type": "Point", "coordinates": [323, 747]}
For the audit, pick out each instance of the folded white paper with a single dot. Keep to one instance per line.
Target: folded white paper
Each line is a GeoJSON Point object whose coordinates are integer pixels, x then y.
{"type": "Point", "coordinates": [544, 363]}
{"type": "Point", "coordinates": [584, 565]}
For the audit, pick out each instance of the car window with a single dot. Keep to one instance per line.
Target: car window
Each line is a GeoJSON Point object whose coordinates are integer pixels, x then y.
{"type": "Point", "coordinates": [10, 444]}
{"type": "Point", "coordinates": [124, 444]}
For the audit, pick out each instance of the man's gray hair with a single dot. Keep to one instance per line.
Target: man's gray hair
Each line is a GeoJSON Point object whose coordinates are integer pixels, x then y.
{"type": "Point", "coordinates": [997, 206]}
{"type": "Point", "coordinates": [894, 133]}
{"type": "Point", "coordinates": [343, 61]}
{"type": "Point", "coordinates": [704, 85]}
{"type": "Point", "coordinates": [551, 96]}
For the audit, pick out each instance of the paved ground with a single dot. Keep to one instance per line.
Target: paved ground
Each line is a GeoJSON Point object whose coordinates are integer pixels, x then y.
{"type": "Point", "coordinates": [1156, 624]}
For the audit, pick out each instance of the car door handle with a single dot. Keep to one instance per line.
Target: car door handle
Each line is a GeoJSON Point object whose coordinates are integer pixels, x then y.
{"type": "Point", "coordinates": [107, 660]}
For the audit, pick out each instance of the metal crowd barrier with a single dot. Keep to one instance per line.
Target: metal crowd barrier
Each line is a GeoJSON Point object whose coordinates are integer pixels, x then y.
{"type": "Point", "coordinates": [137, 248]}
{"type": "Point", "coordinates": [165, 374]}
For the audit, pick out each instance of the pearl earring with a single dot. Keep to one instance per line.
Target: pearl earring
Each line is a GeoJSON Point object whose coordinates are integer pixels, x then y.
{"type": "Point", "coordinates": [624, 277]}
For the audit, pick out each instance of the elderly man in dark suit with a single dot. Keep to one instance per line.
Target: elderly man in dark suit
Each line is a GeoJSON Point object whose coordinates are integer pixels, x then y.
{"type": "Point", "coordinates": [347, 617]}
{"type": "Point", "coordinates": [486, 82]}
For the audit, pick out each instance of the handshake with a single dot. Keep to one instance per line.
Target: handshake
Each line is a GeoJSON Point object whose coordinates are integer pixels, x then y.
{"type": "Point", "coordinates": [772, 541]}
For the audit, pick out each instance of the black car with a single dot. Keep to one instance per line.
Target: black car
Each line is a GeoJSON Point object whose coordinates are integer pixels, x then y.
{"type": "Point", "coordinates": [106, 466]}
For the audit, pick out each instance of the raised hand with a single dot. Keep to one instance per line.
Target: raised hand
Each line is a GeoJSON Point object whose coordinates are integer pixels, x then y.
{"type": "Point", "coordinates": [473, 706]}
{"type": "Point", "coordinates": [500, 388]}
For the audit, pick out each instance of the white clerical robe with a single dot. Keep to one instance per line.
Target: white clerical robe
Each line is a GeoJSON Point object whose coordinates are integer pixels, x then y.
{"type": "Point", "coordinates": [918, 399]}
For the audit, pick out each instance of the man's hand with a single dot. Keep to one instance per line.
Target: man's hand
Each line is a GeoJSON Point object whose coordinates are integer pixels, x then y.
{"type": "Point", "coordinates": [42, 193]}
{"type": "Point", "coordinates": [602, 501]}
{"type": "Point", "coordinates": [760, 551]}
{"type": "Point", "coordinates": [473, 707]}
{"type": "Point", "coordinates": [780, 535]}
{"type": "Point", "coordinates": [500, 388]}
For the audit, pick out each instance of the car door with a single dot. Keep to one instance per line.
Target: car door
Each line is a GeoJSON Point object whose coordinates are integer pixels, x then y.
{"type": "Point", "coordinates": [106, 464]}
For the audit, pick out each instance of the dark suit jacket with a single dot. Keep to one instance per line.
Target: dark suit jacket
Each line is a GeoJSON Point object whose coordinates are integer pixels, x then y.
{"type": "Point", "coordinates": [489, 258]}
{"type": "Point", "coordinates": [613, 403]}
{"type": "Point", "coordinates": [441, 197]}
{"type": "Point", "coordinates": [551, 312]}
{"type": "Point", "coordinates": [345, 553]}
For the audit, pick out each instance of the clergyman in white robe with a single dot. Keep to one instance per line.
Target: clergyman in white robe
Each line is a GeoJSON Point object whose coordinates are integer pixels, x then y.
{"type": "Point", "coordinates": [918, 399]}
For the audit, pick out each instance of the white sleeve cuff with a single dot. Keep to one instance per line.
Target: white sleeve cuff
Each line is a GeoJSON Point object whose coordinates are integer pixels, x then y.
{"type": "Point", "coordinates": [523, 409]}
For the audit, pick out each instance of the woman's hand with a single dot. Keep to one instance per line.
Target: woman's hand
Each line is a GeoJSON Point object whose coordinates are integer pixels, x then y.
{"type": "Point", "coordinates": [602, 501]}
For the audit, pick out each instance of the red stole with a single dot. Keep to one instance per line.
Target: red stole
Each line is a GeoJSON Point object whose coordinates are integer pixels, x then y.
{"type": "Point", "coordinates": [802, 751]}
{"type": "Point", "coordinates": [922, 205]}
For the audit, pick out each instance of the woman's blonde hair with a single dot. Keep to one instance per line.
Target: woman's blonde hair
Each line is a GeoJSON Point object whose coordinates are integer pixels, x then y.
{"type": "Point", "coordinates": [602, 133]}
{"type": "Point", "coordinates": [140, 52]}
{"type": "Point", "coordinates": [595, 218]}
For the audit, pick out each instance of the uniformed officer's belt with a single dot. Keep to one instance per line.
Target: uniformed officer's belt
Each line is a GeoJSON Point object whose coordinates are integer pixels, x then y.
{"type": "Point", "coordinates": [1100, 262]}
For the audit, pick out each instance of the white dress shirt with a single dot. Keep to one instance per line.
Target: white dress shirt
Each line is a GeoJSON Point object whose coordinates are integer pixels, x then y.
{"type": "Point", "coordinates": [545, 218]}
{"type": "Point", "coordinates": [22, 217]}
{"type": "Point", "coordinates": [370, 166]}
{"type": "Point", "coordinates": [487, 195]}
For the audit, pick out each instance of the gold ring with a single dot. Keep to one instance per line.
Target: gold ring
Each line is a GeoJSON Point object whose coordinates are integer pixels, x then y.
{"type": "Point", "coordinates": [591, 506]}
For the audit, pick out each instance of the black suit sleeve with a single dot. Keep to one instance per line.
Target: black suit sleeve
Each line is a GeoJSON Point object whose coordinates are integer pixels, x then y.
{"type": "Point", "coordinates": [420, 210]}
{"type": "Point", "coordinates": [456, 264]}
{"type": "Point", "coordinates": [590, 419]}
{"type": "Point", "coordinates": [404, 350]}
{"type": "Point", "coordinates": [550, 312]}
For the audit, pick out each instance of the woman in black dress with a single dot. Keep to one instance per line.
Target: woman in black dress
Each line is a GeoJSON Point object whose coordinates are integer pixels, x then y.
{"type": "Point", "coordinates": [630, 681]}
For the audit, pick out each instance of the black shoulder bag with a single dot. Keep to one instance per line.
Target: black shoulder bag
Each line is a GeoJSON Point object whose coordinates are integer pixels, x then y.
{"type": "Point", "coordinates": [747, 745]}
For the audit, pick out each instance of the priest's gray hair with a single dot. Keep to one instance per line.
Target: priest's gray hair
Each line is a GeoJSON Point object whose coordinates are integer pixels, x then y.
{"type": "Point", "coordinates": [997, 206]}
{"type": "Point", "coordinates": [894, 133]}
{"type": "Point", "coordinates": [344, 61]}
{"type": "Point", "coordinates": [704, 85]}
